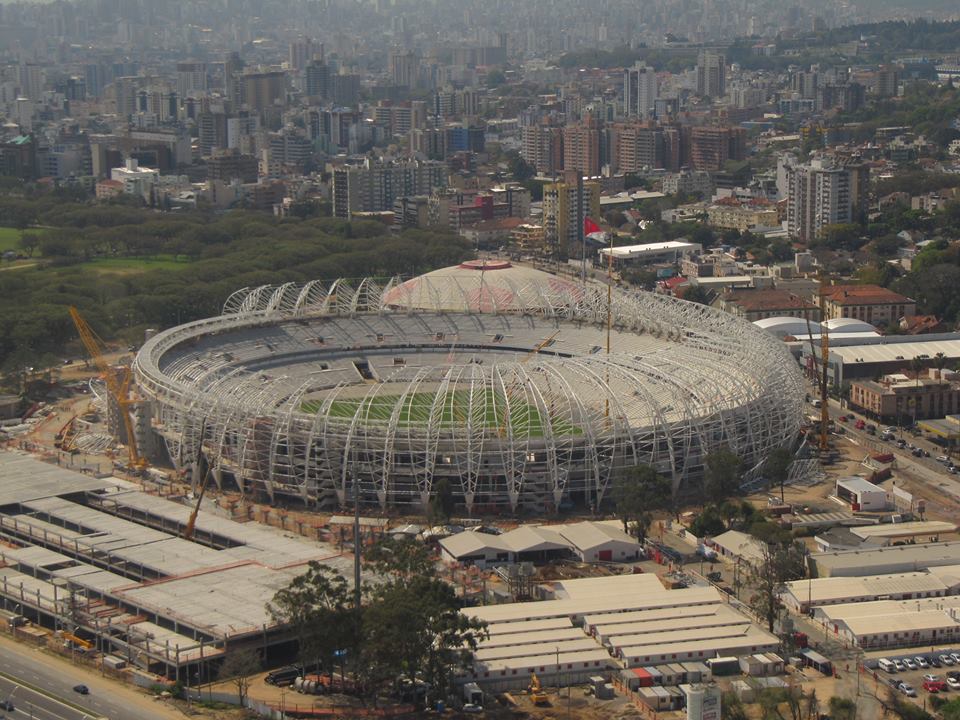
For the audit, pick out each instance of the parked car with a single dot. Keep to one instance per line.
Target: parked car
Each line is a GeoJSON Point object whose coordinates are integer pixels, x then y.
{"type": "Point", "coordinates": [953, 683]}
{"type": "Point", "coordinates": [934, 686]}
{"type": "Point", "coordinates": [907, 689]}
{"type": "Point", "coordinates": [899, 665]}
{"type": "Point", "coordinates": [930, 676]}
{"type": "Point", "coordinates": [843, 418]}
{"type": "Point", "coordinates": [955, 657]}
{"type": "Point", "coordinates": [921, 662]}
{"type": "Point", "coordinates": [909, 664]}
{"type": "Point", "coordinates": [953, 674]}
{"type": "Point", "coordinates": [943, 459]}
{"type": "Point", "coordinates": [935, 661]}
{"type": "Point", "coordinates": [946, 660]}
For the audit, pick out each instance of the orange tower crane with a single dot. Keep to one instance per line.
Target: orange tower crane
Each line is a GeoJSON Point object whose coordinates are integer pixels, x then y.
{"type": "Point", "coordinates": [117, 381]}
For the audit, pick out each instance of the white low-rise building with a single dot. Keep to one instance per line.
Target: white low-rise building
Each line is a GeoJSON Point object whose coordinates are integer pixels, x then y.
{"type": "Point", "coordinates": [600, 541]}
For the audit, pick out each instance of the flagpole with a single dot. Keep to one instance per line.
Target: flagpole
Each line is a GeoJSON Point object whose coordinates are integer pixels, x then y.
{"type": "Point", "coordinates": [583, 235]}
{"type": "Point", "coordinates": [609, 318]}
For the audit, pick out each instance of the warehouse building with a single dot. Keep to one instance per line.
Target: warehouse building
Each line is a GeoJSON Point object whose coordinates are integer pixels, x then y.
{"type": "Point", "coordinates": [608, 623]}
{"type": "Point", "coordinates": [886, 533]}
{"type": "Point", "coordinates": [735, 545]}
{"type": "Point", "coordinates": [601, 541]}
{"type": "Point", "coordinates": [894, 623]}
{"type": "Point", "coordinates": [589, 541]}
{"type": "Point", "coordinates": [803, 595]}
{"type": "Point", "coordinates": [110, 561]}
{"type": "Point", "coordinates": [861, 494]}
{"type": "Point", "coordinates": [884, 560]}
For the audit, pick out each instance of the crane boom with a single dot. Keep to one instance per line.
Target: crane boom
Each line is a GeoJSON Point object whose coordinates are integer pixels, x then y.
{"type": "Point", "coordinates": [118, 384]}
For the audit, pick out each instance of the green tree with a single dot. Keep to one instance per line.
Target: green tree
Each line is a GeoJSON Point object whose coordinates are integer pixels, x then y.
{"type": "Point", "coordinates": [414, 628]}
{"type": "Point", "coordinates": [777, 467]}
{"type": "Point", "coordinates": [28, 242]}
{"type": "Point", "coordinates": [778, 563]}
{"type": "Point", "coordinates": [442, 502]}
{"type": "Point", "coordinates": [317, 604]}
{"type": "Point", "coordinates": [238, 667]}
{"type": "Point", "coordinates": [496, 78]}
{"type": "Point", "coordinates": [722, 472]}
{"type": "Point", "coordinates": [519, 168]}
{"type": "Point", "coordinates": [638, 493]}
{"type": "Point", "coordinates": [697, 294]}
{"type": "Point", "coordinates": [842, 708]}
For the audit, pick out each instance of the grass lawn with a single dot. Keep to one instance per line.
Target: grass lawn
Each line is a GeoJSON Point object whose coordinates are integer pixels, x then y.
{"type": "Point", "coordinates": [525, 419]}
{"type": "Point", "coordinates": [10, 238]}
{"type": "Point", "coordinates": [135, 265]}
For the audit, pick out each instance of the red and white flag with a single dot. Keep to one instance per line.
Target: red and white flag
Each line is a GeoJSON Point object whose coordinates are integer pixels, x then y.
{"type": "Point", "coordinates": [592, 230]}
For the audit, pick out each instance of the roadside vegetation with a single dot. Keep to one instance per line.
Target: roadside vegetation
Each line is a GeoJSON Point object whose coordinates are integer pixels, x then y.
{"type": "Point", "coordinates": [130, 268]}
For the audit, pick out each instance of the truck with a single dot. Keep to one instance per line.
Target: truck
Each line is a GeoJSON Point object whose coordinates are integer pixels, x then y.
{"type": "Point", "coordinates": [472, 694]}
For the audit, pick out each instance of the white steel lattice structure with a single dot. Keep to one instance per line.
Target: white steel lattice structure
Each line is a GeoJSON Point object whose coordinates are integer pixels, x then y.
{"type": "Point", "coordinates": [497, 381]}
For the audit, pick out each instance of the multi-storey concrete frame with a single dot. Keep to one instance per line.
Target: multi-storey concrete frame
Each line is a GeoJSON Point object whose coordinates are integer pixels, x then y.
{"type": "Point", "coordinates": [509, 394]}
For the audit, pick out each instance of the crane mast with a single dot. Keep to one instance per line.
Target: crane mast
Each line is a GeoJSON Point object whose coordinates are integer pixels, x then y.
{"type": "Point", "coordinates": [117, 382]}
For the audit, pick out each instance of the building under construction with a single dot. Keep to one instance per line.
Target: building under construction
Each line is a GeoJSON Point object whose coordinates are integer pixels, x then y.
{"type": "Point", "coordinates": [108, 565]}
{"type": "Point", "coordinates": [516, 388]}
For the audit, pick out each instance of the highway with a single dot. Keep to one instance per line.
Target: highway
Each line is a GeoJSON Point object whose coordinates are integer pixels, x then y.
{"type": "Point", "coordinates": [32, 704]}
{"type": "Point", "coordinates": [28, 668]}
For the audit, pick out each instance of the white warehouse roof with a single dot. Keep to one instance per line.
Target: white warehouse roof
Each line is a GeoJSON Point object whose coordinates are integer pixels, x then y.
{"type": "Point", "coordinates": [897, 558]}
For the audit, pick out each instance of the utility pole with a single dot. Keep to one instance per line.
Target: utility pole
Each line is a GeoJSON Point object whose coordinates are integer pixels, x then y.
{"type": "Point", "coordinates": [356, 544]}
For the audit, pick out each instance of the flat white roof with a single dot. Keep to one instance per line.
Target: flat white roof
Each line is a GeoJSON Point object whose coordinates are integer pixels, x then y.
{"type": "Point", "coordinates": [890, 530]}
{"type": "Point", "coordinates": [833, 589]}
{"type": "Point", "coordinates": [860, 562]}
{"type": "Point", "coordinates": [638, 617]}
{"type": "Point", "coordinates": [859, 485]}
{"type": "Point", "coordinates": [567, 645]}
{"type": "Point", "coordinates": [590, 588]}
{"type": "Point", "coordinates": [890, 616]}
{"type": "Point", "coordinates": [533, 637]}
{"type": "Point", "coordinates": [891, 351]}
{"type": "Point", "coordinates": [753, 641]}
{"type": "Point", "coordinates": [614, 602]}
{"type": "Point", "coordinates": [626, 251]}
{"type": "Point", "coordinates": [547, 661]}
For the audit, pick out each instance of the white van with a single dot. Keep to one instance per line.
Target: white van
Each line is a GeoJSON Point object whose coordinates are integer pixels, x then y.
{"type": "Point", "coordinates": [887, 665]}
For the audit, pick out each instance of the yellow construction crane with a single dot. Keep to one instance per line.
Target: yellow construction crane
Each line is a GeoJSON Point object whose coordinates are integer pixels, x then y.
{"type": "Point", "coordinates": [117, 382]}
{"type": "Point", "coordinates": [820, 366]}
{"type": "Point", "coordinates": [203, 470]}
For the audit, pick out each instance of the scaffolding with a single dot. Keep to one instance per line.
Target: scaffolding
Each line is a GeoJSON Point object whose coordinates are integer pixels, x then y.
{"type": "Point", "coordinates": [298, 391]}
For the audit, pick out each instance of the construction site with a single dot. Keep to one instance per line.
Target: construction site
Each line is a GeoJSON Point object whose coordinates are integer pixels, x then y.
{"type": "Point", "coordinates": [109, 567]}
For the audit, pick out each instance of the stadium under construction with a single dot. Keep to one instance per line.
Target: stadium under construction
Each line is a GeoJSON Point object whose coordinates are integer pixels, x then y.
{"type": "Point", "coordinates": [508, 387]}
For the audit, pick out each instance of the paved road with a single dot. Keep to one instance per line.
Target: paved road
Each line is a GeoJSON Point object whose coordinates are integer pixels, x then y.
{"type": "Point", "coordinates": [107, 698]}
{"type": "Point", "coordinates": [32, 704]}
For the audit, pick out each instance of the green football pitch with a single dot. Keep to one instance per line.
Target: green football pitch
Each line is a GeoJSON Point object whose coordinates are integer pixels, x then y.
{"type": "Point", "coordinates": [526, 420]}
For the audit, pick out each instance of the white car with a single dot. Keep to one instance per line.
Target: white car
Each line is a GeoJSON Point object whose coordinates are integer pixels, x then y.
{"type": "Point", "coordinates": [907, 689]}
{"type": "Point", "coordinates": [943, 459]}
{"type": "Point", "coordinates": [921, 662]}
{"type": "Point", "coordinates": [898, 664]}
{"type": "Point", "coordinates": [947, 660]}
{"type": "Point", "coordinates": [931, 677]}
{"type": "Point", "coordinates": [909, 664]}
{"type": "Point", "coordinates": [955, 657]}
{"type": "Point", "coordinates": [953, 683]}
